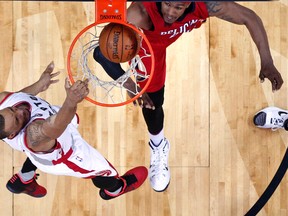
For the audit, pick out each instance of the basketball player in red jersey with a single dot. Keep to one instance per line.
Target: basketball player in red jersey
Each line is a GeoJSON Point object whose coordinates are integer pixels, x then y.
{"type": "Point", "coordinates": [49, 137]}
{"type": "Point", "coordinates": [163, 23]}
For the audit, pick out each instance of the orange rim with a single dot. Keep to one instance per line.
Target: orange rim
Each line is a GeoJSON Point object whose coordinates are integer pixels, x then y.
{"type": "Point", "coordinates": [118, 8]}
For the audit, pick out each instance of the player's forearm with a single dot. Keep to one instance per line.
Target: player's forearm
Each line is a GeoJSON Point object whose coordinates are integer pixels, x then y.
{"type": "Point", "coordinates": [259, 36]}
{"type": "Point", "coordinates": [57, 124]}
{"type": "Point", "coordinates": [238, 14]}
{"type": "Point", "coordinates": [114, 70]}
{"type": "Point", "coordinates": [33, 89]}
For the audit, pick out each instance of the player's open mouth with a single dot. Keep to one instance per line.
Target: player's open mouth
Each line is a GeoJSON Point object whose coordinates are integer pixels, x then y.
{"type": "Point", "coordinates": [169, 19]}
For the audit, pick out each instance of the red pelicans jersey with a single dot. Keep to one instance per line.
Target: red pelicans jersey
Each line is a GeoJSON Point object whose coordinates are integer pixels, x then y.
{"type": "Point", "coordinates": [162, 35]}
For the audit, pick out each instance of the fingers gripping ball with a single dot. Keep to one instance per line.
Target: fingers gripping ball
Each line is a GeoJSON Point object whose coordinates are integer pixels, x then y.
{"type": "Point", "coordinates": [119, 43]}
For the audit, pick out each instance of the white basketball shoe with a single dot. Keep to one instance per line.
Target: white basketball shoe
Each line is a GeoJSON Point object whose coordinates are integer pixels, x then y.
{"type": "Point", "coordinates": [271, 117]}
{"type": "Point", "coordinates": [159, 172]}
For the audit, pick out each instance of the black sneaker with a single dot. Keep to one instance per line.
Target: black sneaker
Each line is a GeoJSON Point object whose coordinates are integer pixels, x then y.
{"type": "Point", "coordinates": [17, 185]}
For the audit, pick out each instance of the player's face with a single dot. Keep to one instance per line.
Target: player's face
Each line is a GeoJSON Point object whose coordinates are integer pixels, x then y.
{"type": "Point", "coordinates": [171, 11]}
{"type": "Point", "coordinates": [15, 119]}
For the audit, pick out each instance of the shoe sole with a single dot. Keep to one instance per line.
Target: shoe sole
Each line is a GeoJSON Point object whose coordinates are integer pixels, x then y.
{"type": "Point", "coordinates": [255, 121]}
{"type": "Point", "coordinates": [24, 192]}
{"type": "Point", "coordinates": [13, 191]}
{"type": "Point", "coordinates": [264, 111]}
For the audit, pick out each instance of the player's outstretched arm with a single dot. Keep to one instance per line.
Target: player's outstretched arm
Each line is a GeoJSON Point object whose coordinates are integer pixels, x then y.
{"type": "Point", "coordinates": [45, 80]}
{"type": "Point", "coordinates": [41, 134]}
{"type": "Point", "coordinates": [235, 13]}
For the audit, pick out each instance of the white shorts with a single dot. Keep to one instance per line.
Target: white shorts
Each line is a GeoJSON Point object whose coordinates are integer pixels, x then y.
{"type": "Point", "coordinates": [81, 160]}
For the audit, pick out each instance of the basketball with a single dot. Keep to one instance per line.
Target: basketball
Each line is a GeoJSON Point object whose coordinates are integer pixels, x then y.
{"type": "Point", "coordinates": [119, 43]}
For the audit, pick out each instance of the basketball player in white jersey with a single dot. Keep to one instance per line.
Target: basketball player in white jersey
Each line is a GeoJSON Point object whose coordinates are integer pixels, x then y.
{"type": "Point", "coordinates": [49, 137]}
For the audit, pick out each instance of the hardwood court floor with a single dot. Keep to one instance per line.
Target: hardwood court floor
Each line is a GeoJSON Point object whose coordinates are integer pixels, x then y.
{"type": "Point", "coordinates": [220, 163]}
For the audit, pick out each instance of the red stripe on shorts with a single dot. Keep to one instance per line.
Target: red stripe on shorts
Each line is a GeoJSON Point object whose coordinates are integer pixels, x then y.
{"type": "Point", "coordinates": [71, 165]}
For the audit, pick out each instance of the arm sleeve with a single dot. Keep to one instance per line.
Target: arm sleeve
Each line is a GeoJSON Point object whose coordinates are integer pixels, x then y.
{"type": "Point", "coordinates": [114, 70]}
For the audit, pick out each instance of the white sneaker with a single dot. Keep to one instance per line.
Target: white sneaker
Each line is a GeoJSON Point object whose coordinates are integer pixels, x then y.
{"type": "Point", "coordinates": [271, 117]}
{"type": "Point", "coordinates": [159, 172]}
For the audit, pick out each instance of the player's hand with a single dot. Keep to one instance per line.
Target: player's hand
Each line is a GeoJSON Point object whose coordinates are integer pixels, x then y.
{"type": "Point", "coordinates": [76, 92]}
{"type": "Point", "coordinates": [144, 100]}
{"type": "Point", "coordinates": [46, 78]}
{"type": "Point", "coordinates": [270, 72]}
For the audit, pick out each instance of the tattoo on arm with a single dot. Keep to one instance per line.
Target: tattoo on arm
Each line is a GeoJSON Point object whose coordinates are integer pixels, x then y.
{"type": "Point", "coordinates": [217, 9]}
{"type": "Point", "coordinates": [35, 134]}
{"type": "Point", "coordinates": [213, 7]}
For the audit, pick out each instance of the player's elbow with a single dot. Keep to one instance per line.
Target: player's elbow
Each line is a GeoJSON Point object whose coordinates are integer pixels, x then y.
{"type": "Point", "coordinates": [249, 16]}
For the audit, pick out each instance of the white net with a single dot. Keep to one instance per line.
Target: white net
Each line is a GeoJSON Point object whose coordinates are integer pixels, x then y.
{"type": "Point", "coordinates": [103, 89]}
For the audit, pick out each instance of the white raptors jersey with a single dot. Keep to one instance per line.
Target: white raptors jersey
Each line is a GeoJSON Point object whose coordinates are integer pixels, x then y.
{"type": "Point", "coordinates": [71, 156]}
{"type": "Point", "coordinates": [39, 109]}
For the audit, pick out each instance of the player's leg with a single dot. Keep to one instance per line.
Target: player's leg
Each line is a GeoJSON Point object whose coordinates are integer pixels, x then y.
{"type": "Point", "coordinates": [87, 162]}
{"type": "Point", "coordinates": [271, 117]}
{"type": "Point", "coordinates": [159, 172]}
{"type": "Point", "coordinates": [113, 186]}
{"type": "Point", "coordinates": [25, 181]}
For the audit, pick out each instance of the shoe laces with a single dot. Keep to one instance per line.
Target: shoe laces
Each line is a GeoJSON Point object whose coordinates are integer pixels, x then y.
{"type": "Point", "coordinates": [159, 157]}
{"type": "Point", "coordinates": [277, 122]}
{"type": "Point", "coordinates": [36, 176]}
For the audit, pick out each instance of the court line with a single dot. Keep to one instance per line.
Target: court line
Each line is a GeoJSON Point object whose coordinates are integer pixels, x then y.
{"type": "Point", "coordinates": [263, 199]}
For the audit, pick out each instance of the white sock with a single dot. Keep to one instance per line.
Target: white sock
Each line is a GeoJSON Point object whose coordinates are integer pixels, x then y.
{"type": "Point", "coordinates": [27, 175]}
{"type": "Point", "coordinates": [156, 139]}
